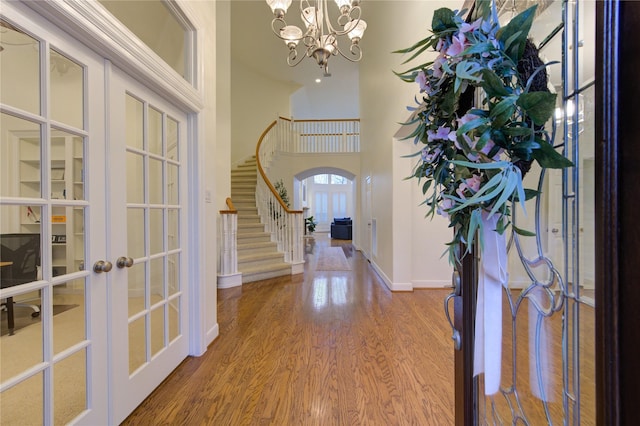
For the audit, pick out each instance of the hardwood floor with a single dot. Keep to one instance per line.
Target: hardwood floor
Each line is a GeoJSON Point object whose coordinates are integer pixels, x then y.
{"type": "Point", "coordinates": [323, 348]}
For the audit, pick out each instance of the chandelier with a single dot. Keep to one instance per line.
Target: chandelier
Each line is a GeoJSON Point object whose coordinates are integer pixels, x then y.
{"type": "Point", "coordinates": [320, 38]}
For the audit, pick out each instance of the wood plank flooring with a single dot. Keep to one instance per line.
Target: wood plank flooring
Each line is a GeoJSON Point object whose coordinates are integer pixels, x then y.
{"type": "Point", "coordinates": [323, 348]}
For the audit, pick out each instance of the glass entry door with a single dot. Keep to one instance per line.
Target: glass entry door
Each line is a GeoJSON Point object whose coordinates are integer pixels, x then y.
{"type": "Point", "coordinates": [53, 363]}
{"type": "Point", "coordinates": [147, 289]}
{"type": "Point", "coordinates": [548, 309]}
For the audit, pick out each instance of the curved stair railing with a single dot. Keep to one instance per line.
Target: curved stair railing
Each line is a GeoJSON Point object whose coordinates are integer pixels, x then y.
{"type": "Point", "coordinates": [285, 225]}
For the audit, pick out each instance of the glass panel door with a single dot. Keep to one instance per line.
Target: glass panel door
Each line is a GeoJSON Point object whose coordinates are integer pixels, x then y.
{"type": "Point", "coordinates": [52, 348]}
{"type": "Point", "coordinates": [149, 319]}
{"type": "Point", "coordinates": [548, 359]}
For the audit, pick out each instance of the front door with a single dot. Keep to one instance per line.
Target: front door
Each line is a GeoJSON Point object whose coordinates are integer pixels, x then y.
{"type": "Point", "coordinates": [146, 224]}
{"type": "Point", "coordinates": [547, 360]}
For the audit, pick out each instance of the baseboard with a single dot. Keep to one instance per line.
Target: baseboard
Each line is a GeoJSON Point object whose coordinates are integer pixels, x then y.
{"type": "Point", "coordinates": [430, 284]}
{"type": "Point", "coordinates": [231, 280]}
{"type": "Point", "coordinates": [212, 334]}
{"type": "Point", "coordinates": [297, 268]}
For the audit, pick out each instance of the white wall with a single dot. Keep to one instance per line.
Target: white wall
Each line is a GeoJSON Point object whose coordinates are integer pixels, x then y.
{"type": "Point", "coordinates": [408, 246]}
{"type": "Point", "coordinates": [256, 102]}
{"type": "Point", "coordinates": [334, 97]}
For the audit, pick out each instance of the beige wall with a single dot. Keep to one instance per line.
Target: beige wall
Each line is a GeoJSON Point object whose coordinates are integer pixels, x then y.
{"type": "Point", "coordinates": [255, 102]}
{"type": "Point", "coordinates": [408, 246]}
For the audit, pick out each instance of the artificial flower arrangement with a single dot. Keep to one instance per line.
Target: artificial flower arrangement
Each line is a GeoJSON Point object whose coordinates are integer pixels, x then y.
{"type": "Point", "coordinates": [474, 157]}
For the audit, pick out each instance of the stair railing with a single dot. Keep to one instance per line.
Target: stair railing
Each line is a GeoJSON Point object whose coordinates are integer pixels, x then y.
{"type": "Point", "coordinates": [300, 137]}
{"type": "Point", "coordinates": [229, 275]}
{"type": "Point", "coordinates": [285, 225]}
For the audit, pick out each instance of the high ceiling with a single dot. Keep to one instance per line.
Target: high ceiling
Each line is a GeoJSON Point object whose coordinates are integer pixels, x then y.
{"type": "Point", "coordinates": [254, 45]}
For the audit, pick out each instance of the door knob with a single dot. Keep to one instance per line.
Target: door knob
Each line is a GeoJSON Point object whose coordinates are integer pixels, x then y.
{"type": "Point", "coordinates": [123, 262]}
{"type": "Point", "coordinates": [102, 266]}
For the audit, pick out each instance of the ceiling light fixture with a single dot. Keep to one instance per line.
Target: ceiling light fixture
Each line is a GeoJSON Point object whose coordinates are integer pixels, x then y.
{"type": "Point", "coordinates": [320, 38]}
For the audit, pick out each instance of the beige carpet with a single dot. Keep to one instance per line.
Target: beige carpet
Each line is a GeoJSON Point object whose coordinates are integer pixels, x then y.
{"type": "Point", "coordinates": [332, 259]}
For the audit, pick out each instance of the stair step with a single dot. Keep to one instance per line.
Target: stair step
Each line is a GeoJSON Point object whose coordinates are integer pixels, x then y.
{"type": "Point", "coordinates": [256, 274]}
{"type": "Point", "coordinates": [257, 247]}
{"type": "Point", "coordinates": [252, 237]}
{"type": "Point", "coordinates": [250, 228]}
{"type": "Point", "coordinates": [260, 258]}
{"type": "Point", "coordinates": [248, 220]}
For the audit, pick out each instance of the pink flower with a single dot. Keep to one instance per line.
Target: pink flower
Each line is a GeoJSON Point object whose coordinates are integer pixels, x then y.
{"type": "Point", "coordinates": [473, 183]}
{"type": "Point", "coordinates": [458, 44]}
{"type": "Point", "coordinates": [465, 28]}
{"type": "Point", "coordinates": [421, 79]}
{"type": "Point", "coordinates": [466, 118]}
{"type": "Point", "coordinates": [429, 157]}
{"type": "Point", "coordinates": [460, 190]}
{"type": "Point", "coordinates": [445, 204]}
{"type": "Point", "coordinates": [437, 66]}
{"type": "Point", "coordinates": [442, 133]}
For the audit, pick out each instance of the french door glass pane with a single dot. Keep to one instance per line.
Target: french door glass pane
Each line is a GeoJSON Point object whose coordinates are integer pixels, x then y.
{"type": "Point", "coordinates": [19, 157]}
{"type": "Point", "coordinates": [174, 319]}
{"type": "Point", "coordinates": [155, 131]}
{"type": "Point", "coordinates": [23, 403]}
{"type": "Point", "coordinates": [157, 329]}
{"type": "Point", "coordinates": [69, 321]}
{"type": "Point", "coordinates": [135, 232]}
{"type": "Point", "coordinates": [20, 56]}
{"type": "Point", "coordinates": [156, 227]}
{"type": "Point", "coordinates": [157, 280]}
{"type": "Point", "coordinates": [70, 387]}
{"type": "Point", "coordinates": [67, 94]}
{"type": "Point", "coordinates": [172, 140]}
{"type": "Point", "coordinates": [135, 122]}
{"type": "Point", "coordinates": [136, 286]}
{"type": "Point", "coordinates": [137, 343]}
{"type": "Point", "coordinates": [135, 178]}
{"type": "Point", "coordinates": [155, 181]}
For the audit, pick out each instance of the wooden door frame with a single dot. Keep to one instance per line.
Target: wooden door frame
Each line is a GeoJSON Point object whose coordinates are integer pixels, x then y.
{"type": "Point", "coordinates": [617, 206]}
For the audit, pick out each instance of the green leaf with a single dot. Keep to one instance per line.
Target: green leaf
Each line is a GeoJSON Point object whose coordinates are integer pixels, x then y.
{"type": "Point", "coordinates": [502, 112]}
{"type": "Point", "coordinates": [442, 20]}
{"type": "Point", "coordinates": [466, 70]}
{"type": "Point", "coordinates": [426, 186]}
{"type": "Point", "coordinates": [539, 106]}
{"type": "Point", "coordinates": [473, 124]}
{"type": "Point", "coordinates": [482, 9]}
{"type": "Point", "coordinates": [517, 131]}
{"type": "Point", "coordinates": [549, 158]}
{"type": "Point", "coordinates": [523, 232]}
{"type": "Point", "coordinates": [522, 24]}
{"type": "Point", "coordinates": [478, 48]}
{"type": "Point", "coordinates": [492, 84]}
{"type": "Point", "coordinates": [529, 194]}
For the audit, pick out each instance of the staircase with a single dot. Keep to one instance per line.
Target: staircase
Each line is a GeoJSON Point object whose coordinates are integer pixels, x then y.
{"type": "Point", "coordinates": [258, 256]}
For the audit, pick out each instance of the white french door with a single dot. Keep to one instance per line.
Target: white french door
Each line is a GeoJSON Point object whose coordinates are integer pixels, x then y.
{"type": "Point", "coordinates": [145, 239]}
{"type": "Point", "coordinates": [53, 366]}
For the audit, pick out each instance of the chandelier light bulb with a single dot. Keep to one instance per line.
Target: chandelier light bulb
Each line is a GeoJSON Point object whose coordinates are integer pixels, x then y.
{"type": "Point", "coordinates": [344, 6]}
{"type": "Point", "coordinates": [355, 30]}
{"type": "Point", "coordinates": [291, 35]}
{"type": "Point", "coordinates": [279, 7]}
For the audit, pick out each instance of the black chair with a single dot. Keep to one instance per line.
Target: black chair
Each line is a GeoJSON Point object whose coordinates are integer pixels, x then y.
{"type": "Point", "coordinates": [22, 251]}
{"type": "Point", "coordinates": [341, 228]}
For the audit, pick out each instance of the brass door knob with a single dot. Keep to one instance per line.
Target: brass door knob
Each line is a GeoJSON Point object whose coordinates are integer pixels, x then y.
{"type": "Point", "coordinates": [124, 262]}
{"type": "Point", "coordinates": [102, 266]}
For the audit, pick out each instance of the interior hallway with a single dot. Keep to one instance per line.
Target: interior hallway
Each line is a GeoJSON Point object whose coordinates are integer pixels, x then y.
{"type": "Point", "coordinates": [322, 348]}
